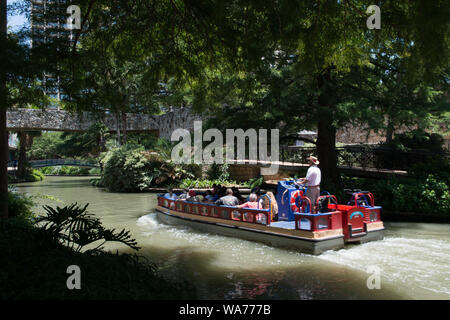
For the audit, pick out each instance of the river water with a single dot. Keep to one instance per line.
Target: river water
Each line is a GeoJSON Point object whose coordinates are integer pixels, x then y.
{"type": "Point", "coordinates": [413, 260]}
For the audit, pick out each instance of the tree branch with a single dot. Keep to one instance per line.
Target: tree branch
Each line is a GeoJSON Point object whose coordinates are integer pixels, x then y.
{"type": "Point", "coordinates": [77, 36]}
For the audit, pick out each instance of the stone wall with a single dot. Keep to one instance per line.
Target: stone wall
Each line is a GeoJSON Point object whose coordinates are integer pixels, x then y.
{"type": "Point", "coordinates": [178, 118]}
{"type": "Point", "coordinates": [352, 134]}
{"type": "Point", "coordinates": [243, 172]}
{"type": "Point", "coordinates": [60, 120]}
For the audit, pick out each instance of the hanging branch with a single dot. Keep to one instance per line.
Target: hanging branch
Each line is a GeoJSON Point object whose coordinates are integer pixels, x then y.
{"type": "Point", "coordinates": [77, 35]}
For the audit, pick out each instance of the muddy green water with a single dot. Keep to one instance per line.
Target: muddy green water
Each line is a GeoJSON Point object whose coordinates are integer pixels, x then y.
{"type": "Point", "coordinates": [413, 259]}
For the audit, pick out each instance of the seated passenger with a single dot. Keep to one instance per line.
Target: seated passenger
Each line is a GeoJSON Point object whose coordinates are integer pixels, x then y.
{"type": "Point", "coordinates": [228, 200]}
{"type": "Point", "coordinates": [209, 197]}
{"type": "Point", "coordinates": [192, 196]}
{"type": "Point", "coordinates": [252, 202]}
{"type": "Point", "coordinates": [222, 192]}
{"type": "Point", "coordinates": [170, 195]}
{"type": "Point", "coordinates": [273, 207]}
{"type": "Point", "coordinates": [184, 195]}
{"type": "Point", "coordinates": [214, 189]}
{"type": "Point", "coordinates": [237, 194]}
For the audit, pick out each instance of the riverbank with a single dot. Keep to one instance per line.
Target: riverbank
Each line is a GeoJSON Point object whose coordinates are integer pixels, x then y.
{"type": "Point", "coordinates": [32, 175]}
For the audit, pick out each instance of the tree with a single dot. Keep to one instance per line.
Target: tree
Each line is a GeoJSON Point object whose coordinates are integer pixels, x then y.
{"type": "Point", "coordinates": [322, 46]}
{"type": "Point", "coordinates": [3, 133]}
{"type": "Point", "coordinates": [25, 142]}
{"type": "Point", "coordinates": [18, 87]}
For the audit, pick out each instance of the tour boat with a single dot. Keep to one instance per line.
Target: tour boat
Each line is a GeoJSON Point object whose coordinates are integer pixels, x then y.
{"type": "Point", "coordinates": [330, 229]}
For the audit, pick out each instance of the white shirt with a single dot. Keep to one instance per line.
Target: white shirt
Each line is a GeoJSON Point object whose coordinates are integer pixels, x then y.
{"type": "Point", "coordinates": [173, 197]}
{"type": "Point", "coordinates": [313, 175]}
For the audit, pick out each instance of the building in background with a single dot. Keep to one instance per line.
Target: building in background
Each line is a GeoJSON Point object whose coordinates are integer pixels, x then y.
{"type": "Point", "coordinates": [48, 20]}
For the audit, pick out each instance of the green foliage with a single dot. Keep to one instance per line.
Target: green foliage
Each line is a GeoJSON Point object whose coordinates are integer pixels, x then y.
{"type": "Point", "coordinates": [34, 175]}
{"type": "Point", "coordinates": [439, 167]}
{"type": "Point", "coordinates": [97, 182]}
{"type": "Point", "coordinates": [95, 171]}
{"type": "Point", "coordinates": [426, 197]}
{"type": "Point", "coordinates": [69, 170]}
{"type": "Point", "coordinates": [74, 227]}
{"type": "Point", "coordinates": [105, 275]}
{"type": "Point", "coordinates": [131, 168]}
{"type": "Point", "coordinates": [219, 172]}
{"type": "Point", "coordinates": [55, 145]}
{"type": "Point", "coordinates": [31, 175]}
{"type": "Point", "coordinates": [46, 146]}
{"type": "Point", "coordinates": [255, 182]}
{"type": "Point", "coordinates": [204, 183]}
{"type": "Point", "coordinates": [423, 194]}
{"type": "Point", "coordinates": [20, 205]}
{"type": "Point", "coordinates": [417, 140]}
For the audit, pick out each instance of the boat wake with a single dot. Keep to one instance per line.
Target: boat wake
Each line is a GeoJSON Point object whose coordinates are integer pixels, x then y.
{"type": "Point", "coordinates": [419, 264]}
{"type": "Point", "coordinates": [150, 223]}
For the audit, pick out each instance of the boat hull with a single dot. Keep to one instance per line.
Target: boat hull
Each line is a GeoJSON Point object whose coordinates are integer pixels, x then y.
{"type": "Point", "coordinates": [373, 235]}
{"type": "Point", "coordinates": [251, 233]}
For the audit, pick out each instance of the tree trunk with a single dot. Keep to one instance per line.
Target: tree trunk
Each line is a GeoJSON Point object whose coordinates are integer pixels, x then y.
{"type": "Point", "coordinates": [4, 150]}
{"type": "Point", "coordinates": [326, 150]}
{"type": "Point", "coordinates": [118, 128]}
{"type": "Point", "coordinates": [389, 131]}
{"type": "Point", "coordinates": [21, 168]}
{"type": "Point", "coordinates": [124, 127]}
{"type": "Point", "coordinates": [26, 141]}
{"type": "Point", "coordinates": [326, 133]}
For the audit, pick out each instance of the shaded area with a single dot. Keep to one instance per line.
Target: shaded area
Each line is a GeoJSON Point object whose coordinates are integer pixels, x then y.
{"type": "Point", "coordinates": [32, 266]}
{"type": "Point", "coordinates": [309, 280]}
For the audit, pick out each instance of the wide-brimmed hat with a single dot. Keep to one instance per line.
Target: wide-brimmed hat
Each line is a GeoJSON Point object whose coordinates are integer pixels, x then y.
{"type": "Point", "coordinates": [313, 159]}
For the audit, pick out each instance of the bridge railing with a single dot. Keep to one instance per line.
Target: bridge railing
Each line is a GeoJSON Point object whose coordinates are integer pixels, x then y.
{"type": "Point", "coordinates": [366, 157]}
{"type": "Point", "coordinates": [62, 162]}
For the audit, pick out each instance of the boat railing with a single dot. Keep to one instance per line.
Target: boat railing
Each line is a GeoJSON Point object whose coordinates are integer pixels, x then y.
{"type": "Point", "coordinates": [318, 221]}
{"type": "Point", "coordinates": [371, 213]}
{"type": "Point", "coordinates": [257, 216]}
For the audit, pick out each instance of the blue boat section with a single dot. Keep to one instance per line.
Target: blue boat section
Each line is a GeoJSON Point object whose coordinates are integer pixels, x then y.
{"type": "Point", "coordinates": [284, 192]}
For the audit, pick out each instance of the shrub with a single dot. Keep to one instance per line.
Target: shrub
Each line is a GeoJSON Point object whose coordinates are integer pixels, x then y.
{"type": "Point", "coordinates": [417, 140]}
{"type": "Point", "coordinates": [19, 205]}
{"type": "Point", "coordinates": [97, 182]}
{"type": "Point", "coordinates": [131, 168]}
{"type": "Point", "coordinates": [105, 275]}
{"type": "Point", "coordinates": [219, 172]}
{"type": "Point", "coordinates": [428, 195]}
{"type": "Point", "coordinates": [255, 182]}
{"type": "Point", "coordinates": [69, 170]}
{"type": "Point", "coordinates": [95, 171]}
{"type": "Point", "coordinates": [439, 167]}
{"type": "Point", "coordinates": [202, 183]}
{"type": "Point", "coordinates": [75, 227]}
{"type": "Point", "coordinates": [33, 175]}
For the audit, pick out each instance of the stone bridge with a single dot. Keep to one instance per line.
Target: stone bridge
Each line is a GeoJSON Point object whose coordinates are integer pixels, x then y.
{"type": "Point", "coordinates": [60, 120]}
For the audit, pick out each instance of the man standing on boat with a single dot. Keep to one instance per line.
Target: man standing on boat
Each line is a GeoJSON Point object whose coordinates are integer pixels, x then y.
{"type": "Point", "coordinates": [312, 181]}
